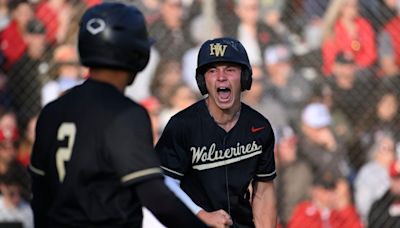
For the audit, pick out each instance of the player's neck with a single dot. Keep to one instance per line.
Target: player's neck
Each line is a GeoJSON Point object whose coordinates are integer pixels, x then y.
{"type": "Point", "coordinates": [226, 119]}
{"type": "Point", "coordinates": [116, 78]}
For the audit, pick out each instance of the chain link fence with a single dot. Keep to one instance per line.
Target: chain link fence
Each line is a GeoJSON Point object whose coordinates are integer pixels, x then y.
{"type": "Point", "coordinates": [325, 73]}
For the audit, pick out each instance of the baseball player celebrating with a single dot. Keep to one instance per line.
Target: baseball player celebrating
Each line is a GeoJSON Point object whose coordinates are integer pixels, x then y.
{"type": "Point", "coordinates": [214, 149]}
{"type": "Point", "coordinates": [93, 163]}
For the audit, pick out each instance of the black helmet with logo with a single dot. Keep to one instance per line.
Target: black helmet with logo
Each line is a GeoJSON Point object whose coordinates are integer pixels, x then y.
{"type": "Point", "coordinates": [114, 35]}
{"type": "Point", "coordinates": [223, 50]}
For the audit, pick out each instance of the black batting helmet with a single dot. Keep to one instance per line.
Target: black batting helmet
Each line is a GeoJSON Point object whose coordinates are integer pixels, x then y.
{"type": "Point", "coordinates": [223, 50]}
{"type": "Point", "coordinates": [114, 35]}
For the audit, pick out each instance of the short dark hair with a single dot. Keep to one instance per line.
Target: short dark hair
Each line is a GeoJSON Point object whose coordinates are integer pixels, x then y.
{"type": "Point", "coordinates": [17, 174]}
{"type": "Point", "coordinates": [326, 180]}
{"type": "Point", "coordinates": [13, 4]}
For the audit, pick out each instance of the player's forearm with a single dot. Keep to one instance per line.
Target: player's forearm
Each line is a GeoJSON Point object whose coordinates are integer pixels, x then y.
{"type": "Point", "coordinates": [174, 186]}
{"type": "Point", "coordinates": [268, 219]}
{"type": "Point", "coordinates": [155, 196]}
{"type": "Point", "coordinates": [264, 205]}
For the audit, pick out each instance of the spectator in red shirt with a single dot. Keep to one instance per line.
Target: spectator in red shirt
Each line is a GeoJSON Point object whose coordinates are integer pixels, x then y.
{"type": "Point", "coordinates": [12, 42]}
{"type": "Point", "coordinates": [346, 31]}
{"type": "Point", "coordinates": [56, 16]}
{"type": "Point", "coordinates": [330, 205]}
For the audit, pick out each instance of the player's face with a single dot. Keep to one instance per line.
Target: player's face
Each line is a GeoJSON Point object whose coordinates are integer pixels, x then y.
{"type": "Point", "coordinates": [223, 84]}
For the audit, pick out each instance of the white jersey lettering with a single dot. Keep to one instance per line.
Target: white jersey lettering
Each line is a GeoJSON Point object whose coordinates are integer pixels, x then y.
{"type": "Point", "coordinates": [207, 158]}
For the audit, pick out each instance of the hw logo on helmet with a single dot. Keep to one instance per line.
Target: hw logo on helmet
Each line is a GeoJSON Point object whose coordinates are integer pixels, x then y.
{"type": "Point", "coordinates": [217, 49]}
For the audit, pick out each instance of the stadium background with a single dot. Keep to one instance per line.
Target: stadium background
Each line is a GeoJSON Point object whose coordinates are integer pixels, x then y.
{"type": "Point", "coordinates": [326, 74]}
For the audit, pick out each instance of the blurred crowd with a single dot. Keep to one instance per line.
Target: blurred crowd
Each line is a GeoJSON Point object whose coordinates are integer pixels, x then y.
{"type": "Point", "coordinates": [326, 73]}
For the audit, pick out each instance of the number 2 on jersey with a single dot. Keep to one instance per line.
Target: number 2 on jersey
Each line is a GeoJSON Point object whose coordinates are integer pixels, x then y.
{"type": "Point", "coordinates": [63, 154]}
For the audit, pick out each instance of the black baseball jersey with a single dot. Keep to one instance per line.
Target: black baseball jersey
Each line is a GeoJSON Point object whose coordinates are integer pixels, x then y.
{"type": "Point", "coordinates": [384, 212]}
{"type": "Point", "coordinates": [215, 167]}
{"type": "Point", "coordinates": [92, 143]}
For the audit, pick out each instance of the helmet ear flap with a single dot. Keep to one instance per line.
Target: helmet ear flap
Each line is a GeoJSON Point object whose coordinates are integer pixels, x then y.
{"type": "Point", "coordinates": [142, 62]}
{"type": "Point", "coordinates": [201, 83]}
{"type": "Point", "coordinates": [246, 79]}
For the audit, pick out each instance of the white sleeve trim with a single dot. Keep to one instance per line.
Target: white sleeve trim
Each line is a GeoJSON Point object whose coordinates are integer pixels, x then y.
{"type": "Point", "coordinates": [266, 175]}
{"type": "Point", "coordinates": [140, 173]}
{"type": "Point", "coordinates": [36, 170]}
{"type": "Point", "coordinates": [174, 185]}
{"type": "Point", "coordinates": [172, 171]}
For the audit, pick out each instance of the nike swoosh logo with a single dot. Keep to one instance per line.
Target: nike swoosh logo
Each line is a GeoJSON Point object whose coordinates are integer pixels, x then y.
{"type": "Point", "coordinates": [256, 129]}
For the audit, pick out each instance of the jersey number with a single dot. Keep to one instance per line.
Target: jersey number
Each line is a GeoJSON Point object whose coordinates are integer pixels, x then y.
{"type": "Point", "coordinates": [63, 154]}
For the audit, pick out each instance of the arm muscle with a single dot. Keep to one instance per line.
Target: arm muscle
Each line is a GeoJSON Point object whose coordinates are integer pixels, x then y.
{"type": "Point", "coordinates": [264, 204]}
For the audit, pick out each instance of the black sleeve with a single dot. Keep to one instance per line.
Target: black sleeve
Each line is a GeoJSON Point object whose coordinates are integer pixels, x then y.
{"type": "Point", "coordinates": [39, 158]}
{"type": "Point", "coordinates": [175, 160]}
{"type": "Point", "coordinates": [40, 202]}
{"type": "Point", "coordinates": [171, 212]}
{"type": "Point", "coordinates": [266, 170]}
{"type": "Point", "coordinates": [129, 146]}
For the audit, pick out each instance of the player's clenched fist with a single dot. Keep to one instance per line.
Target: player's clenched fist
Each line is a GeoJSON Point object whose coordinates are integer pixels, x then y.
{"type": "Point", "coordinates": [217, 219]}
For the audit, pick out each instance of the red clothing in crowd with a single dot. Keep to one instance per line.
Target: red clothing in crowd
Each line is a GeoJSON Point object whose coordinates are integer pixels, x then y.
{"type": "Point", "coordinates": [49, 17]}
{"type": "Point", "coordinates": [12, 44]}
{"type": "Point", "coordinates": [393, 28]}
{"type": "Point", "coordinates": [363, 47]}
{"type": "Point", "coordinates": [24, 157]}
{"type": "Point", "coordinates": [91, 3]}
{"type": "Point", "coordinates": [308, 215]}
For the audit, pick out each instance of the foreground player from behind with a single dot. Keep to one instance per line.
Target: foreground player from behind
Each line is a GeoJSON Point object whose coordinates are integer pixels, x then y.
{"type": "Point", "coordinates": [215, 148]}
{"type": "Point", "coordinates": [86, 171]}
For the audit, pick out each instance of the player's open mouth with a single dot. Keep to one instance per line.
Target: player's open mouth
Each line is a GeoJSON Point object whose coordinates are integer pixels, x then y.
{"type": "Point", "coordinates": [223, 93]}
